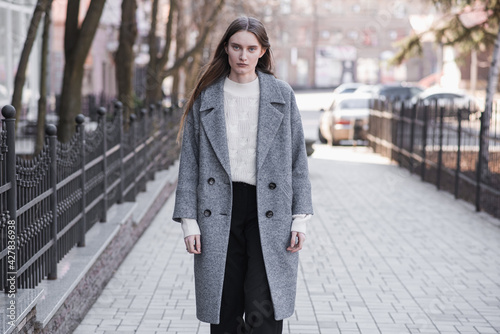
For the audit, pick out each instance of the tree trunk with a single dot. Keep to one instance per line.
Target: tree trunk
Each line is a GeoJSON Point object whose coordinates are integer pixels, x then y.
{"type": "Point", "coordinates": [491, 89]}
{"type": "Point", "coordinates": [42, 102]}
{"type": "Point", "coordinates": [175, 94]}
{"type": "Point", "coordinates": [71, 100]}
{"type": "Point", "coordinates": [20, 78]}
{"type": "Point", "coordinates": [192, 72]}
{"type": "Point", "coordinates": [125, 56]}
{"type": "Point", "coordinates": [154, 79]}
{"type": "Point", "coordinates": [473, 72]}
{"type": "Point", "coordinates": [77, 43]}
{"type": "Point", "coordinates": [193, 67]}
{"type": "Point", "coordinates": [179, 48]}
{"type": "Point", "coordinates": [151, 79]}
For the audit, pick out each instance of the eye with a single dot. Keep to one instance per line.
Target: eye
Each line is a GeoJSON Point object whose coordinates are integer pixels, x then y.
{"type": "Point", "coordinates": [236, 47]}
{"type": "Point", "coordinates": [252, 49]}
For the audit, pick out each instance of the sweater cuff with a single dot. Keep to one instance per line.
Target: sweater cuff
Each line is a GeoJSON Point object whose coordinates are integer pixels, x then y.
{"type": "Point", "coordinates": [299, 223]}
{"type": "Point", "coordinates": [190, 227]}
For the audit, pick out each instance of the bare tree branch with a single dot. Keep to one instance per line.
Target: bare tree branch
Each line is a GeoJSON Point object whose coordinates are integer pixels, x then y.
{"type": "Point", "coordinates": [200, 43]}
{"type": "Point", "coordinates": [164, 57]}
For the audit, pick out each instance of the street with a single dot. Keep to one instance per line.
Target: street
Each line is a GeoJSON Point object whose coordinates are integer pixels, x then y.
{"type": "Point", "coordinates": [310, 103]}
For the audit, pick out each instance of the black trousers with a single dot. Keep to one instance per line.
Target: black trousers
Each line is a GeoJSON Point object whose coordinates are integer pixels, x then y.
{"type": "Point", "coordinates": [246, 289]}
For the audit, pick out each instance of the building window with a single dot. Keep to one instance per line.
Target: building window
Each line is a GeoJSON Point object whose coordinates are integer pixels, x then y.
{"type": "Point", "coordinates": [334, 6]}
{"type": "Point", "coordinates": [305, 7]}
{"type": "Point", "coordinates": [353, 34]}
{"type": "Point", "coordinates": [286, 7]}
{"type": "Point", "coordinates": [325, 34]}
{"type": "Point", "coordinates": [284, 37]}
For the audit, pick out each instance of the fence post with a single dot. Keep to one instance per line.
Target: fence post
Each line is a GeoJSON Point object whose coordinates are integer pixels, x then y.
{"type": "Point", "coordinates": [9, 113]}
{"type": "Point", "coordinates": [479, 167]}
{"type": "Point", "coordinates": [144, 140]}
{"type": "Point", "coordinates": [133, 126]}
{"type": "Point", "coordinates": [51, 131]}
{"type": "Point", "coordinates": [401, 126]}
{"type": "Point", "coordinates": [164, 136]}
{"type": "Point", "coordinates": [150, 116]}
{"type": "Point", "coordinates": [412, 134]}
{"type": "Point", "coordinates": [424, 141]}
{"type": "Point", "coordinates": [102, 118]}
{"type": "Point", "coordinates": [459, 155]}
{"type": "Point", "coordinates": [394, 130]}
{"type": "Point", "coordinates": [119, 113]}
{"type": "Point", "coordinates": [440, 154]}
{"type": "Point", "coordinates": [80, 128]}
{"type": "Point", "coordinates": [152, 112]}
{"type": "Point", "coordinates": [170, 132]}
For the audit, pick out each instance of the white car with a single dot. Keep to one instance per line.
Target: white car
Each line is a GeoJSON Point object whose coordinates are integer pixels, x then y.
{"type": "Point", "coordinates": [347, 88]}
{"type": "Point", "coordinates": [346, 119]}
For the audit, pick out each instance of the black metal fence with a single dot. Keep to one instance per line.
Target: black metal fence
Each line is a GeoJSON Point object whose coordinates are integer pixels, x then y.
{"type": "Point", "coordinates": [443, 143]}
{"type": "Point", "coordinates": [49, 202]}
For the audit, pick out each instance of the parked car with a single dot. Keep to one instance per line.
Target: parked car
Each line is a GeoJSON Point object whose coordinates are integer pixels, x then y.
{"type": "Point", "coordinates": [445, 96]}
{"type": "Point", "coordinates": [392, 92]}
{"type": "Point", "coordinates": [367, 89]}
{"type": "Point", "coordinates": [347, 88]}
{"type": "Point", "coordinates": [343, 89]}
{"type": "Point", "coordinates": [346, 119]}
{"type": "Point", "coordinates": [451, 99]}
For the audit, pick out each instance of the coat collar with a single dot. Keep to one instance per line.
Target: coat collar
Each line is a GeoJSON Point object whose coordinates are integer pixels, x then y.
{"type": "Point", "coordinates": [214, 123]}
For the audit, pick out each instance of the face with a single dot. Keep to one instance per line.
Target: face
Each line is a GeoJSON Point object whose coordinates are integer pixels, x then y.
{"type": "Point", "coordinates": [243, 50]}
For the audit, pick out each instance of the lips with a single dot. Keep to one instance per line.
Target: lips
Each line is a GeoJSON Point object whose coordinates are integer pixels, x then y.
{"type": "Point", "coordinates": [242, 64]}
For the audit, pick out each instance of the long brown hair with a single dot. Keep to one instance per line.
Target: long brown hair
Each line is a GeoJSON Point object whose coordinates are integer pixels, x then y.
{"type": "Point", "coordinates": [219, 65]}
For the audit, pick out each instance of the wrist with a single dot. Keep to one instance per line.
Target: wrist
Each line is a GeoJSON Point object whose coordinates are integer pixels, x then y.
{"type": "Point", "coordinates": [299, 223]}
{"type": "Point", "coordinates": [190, 227]}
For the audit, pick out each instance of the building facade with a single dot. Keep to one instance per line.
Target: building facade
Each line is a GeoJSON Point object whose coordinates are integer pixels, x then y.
{"type": "Point", "coordinates": [15, 17]}
{"type": "Point", "coordinates": [323, 43]}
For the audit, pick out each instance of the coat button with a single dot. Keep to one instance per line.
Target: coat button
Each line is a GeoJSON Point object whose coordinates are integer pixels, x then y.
{"type": "Point", "coordinates": [272, 185]}
{"type": "Point", "coordinates": [269, 214]}
{"type": "Point", "coordinates": [207, 213]}
{"type": "Point", "coordinates": [211, 181]}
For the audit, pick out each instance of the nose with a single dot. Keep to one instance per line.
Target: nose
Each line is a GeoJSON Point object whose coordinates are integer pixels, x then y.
{"type": "Point", "coordinates": [243, 55]}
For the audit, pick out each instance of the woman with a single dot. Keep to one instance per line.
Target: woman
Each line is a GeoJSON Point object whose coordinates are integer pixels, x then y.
{"type": "Point", "coordinates": [243, 195]}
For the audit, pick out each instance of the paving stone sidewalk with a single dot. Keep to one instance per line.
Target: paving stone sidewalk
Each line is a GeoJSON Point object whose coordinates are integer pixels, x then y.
{"type": "Point", "coordinates": [385, 253]}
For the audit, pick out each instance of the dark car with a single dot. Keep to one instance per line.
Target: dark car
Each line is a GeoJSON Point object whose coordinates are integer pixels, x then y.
{"type": "Point", "coordinates": [396, 92]}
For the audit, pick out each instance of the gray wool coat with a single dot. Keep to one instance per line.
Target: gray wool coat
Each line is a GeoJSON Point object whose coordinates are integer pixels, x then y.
{"type": "Point", "coordinates": [204, 191]}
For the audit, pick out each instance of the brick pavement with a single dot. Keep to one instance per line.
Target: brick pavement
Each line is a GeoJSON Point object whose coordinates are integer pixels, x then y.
{"type": "Point", "coordinates": [386, 253]}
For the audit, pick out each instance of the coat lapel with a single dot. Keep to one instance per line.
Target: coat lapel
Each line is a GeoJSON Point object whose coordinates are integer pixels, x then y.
{"type": "Point", "coordinates": [270, 117]}
{"type": "Point", "coordinates": [214, 121]}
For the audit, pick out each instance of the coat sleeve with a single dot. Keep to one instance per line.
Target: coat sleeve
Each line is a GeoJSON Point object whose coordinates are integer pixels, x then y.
{"type": "Point", "coordinates": [301, 186]}
{"type": "Point", "coordinates": [186, 193]}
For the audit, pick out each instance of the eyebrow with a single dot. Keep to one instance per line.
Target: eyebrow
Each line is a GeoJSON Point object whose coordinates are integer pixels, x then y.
{"type": "Point", "coordinates": [236, 44]}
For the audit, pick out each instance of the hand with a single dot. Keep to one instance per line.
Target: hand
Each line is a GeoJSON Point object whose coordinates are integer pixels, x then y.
{"type": "Point", "coordinates": [294, 246]}
{"type": "Point", "coordinates": [193, 244]}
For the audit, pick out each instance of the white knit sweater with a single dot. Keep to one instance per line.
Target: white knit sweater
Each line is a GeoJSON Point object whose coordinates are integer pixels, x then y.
{"type": "Point", "coordinates": [241, 108]}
